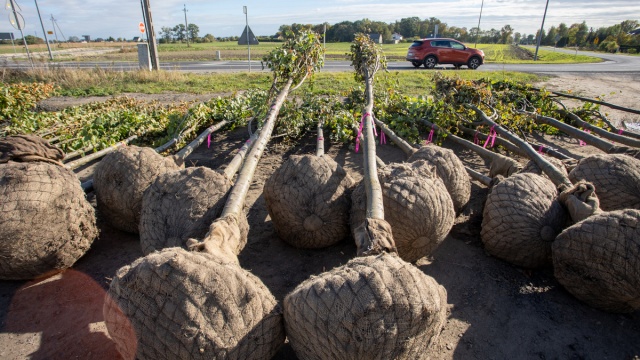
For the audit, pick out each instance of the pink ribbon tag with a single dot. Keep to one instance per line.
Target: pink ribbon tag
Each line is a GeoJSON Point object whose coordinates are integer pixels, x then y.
{"type": "Point", "coordinates": [541, 150]}
{"type": "Point", "coordinates": [360, 131]}
{"type": "Point", "coordinates": [209, 141]}
{"type": "Point", "coordinates": [475, 138]}
{"type": "Point", "coordinates": [383, 138]}
{"type": "Point", "coordinates": [620, 132]}
{"type": "Point", "coordinates": [491, 137]}
{"type": "Point", "coordinates": [320, 139]}
{"type": "Point", "coordinates": [429, 138]}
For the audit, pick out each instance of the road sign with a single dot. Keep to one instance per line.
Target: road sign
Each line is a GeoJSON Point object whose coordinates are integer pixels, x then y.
{"type": "Point", "coordinates": [141, 27]}
{"type": "Point", "coordinates": [49, 32]}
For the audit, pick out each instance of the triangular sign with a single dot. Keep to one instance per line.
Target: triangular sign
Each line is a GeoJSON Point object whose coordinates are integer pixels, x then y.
{"type": "Point", "coordinates": [242, 40]}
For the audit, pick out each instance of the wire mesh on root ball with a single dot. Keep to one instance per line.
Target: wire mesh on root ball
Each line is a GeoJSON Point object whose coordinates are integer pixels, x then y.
{"type": "Point", "coordinates": [416, 204]}
{"type": "Point", "coordinates": [176, 304]}
{"type": "Point", "coordinates": [616, 178]}
{"type": "Point", "coordinates": [450, 169]}
{"type": "Point", "coordinates": [598, 260]}
{"type": "Point", "coordinates": [121, 178]}
{"type": "Point", "coordinates": [521, 218]}
{"type": "Point", "coordinates": [180, 205]}
{"type": "Point", "coordinates": [374, 307]}
{"type": "Point", "coordinates": [308, 199]}
{"type": "Point", "coordinates": [46, 223]}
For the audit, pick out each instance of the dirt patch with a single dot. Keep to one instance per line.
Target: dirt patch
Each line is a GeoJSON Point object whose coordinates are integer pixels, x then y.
{"type": "Point", "coordinates": [496, 310]}
{"type": "Point", "coordinates": [521, 53]}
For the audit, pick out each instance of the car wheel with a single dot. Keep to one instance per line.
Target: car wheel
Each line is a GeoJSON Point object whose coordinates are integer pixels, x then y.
{"type": "Point", "coordinates": [473, 63]}
{"type": "Point", "coordinates": [416, 63]}
{"type": "Point", "coordinates": [430, 62]}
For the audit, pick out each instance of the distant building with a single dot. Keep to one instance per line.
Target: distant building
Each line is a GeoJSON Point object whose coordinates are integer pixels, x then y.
{"type": "Point", "coordinates": [376, 38]}
{"type": "Point", "coordinates": [87, 38]}
{"type": "Point", "coordinates": [635, 32]}
{"type": "Point", "coordinates": [396, 37]}
{"type": "Point", "coordinates": [136, 39]}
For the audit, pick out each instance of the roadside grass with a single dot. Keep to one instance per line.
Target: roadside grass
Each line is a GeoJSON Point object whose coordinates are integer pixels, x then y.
{"type": "Point", "coordinates": [229, 50]}
{"type": "Point", "coordinates": [101, 82]}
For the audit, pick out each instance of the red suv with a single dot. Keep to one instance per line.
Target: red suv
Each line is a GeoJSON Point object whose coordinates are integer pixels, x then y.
{"type": "Point", "coordinates": [429, 52]}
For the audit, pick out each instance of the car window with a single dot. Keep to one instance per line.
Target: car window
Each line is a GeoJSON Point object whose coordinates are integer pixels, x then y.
{"type": "Point", "coordinates": [457, 45]}
{"type": "Point", "coordinates": [440, 43]}
{"type": "Point", "coordinates": [416, 43]}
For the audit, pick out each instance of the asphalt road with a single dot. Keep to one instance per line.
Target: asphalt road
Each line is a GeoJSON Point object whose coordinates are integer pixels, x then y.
{"type": "Point", "coordinates": [612, 64]}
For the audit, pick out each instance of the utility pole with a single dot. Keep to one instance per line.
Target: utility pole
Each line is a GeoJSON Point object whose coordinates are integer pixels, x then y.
{"type": "Point", "coordinates": [246, 18]}
{"type": "Point", "coordinates": [46, 39]}
{"type": "Point", "coordinates": [535, 57]}
{"type": "Point", "coordinates": [186, 25]}
{"type": "Point", "coordinates": [53, 24]}
{"type": "Point", "coordinates": [151, 36]}
{"type": "Point", "coordinates": [478, 28]}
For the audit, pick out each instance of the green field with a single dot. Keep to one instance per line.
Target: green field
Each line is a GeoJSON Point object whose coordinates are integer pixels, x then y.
{"type": "Point", "coordinates": [494, 53]}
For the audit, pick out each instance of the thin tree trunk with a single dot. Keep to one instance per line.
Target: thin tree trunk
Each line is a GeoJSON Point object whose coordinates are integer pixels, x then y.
{"type": "Point", "coordinates": [320, 140]}
{"type": "Point", "coordinates": [181, 155]}
{"type": "Point", "coordinates": [73, 154]}
{"type": "Point", "coordinates": [485, 180]}
{"type": "Point", "coordinates": [237, 160]}
{"type": "Point", "coordinates": [578, 122]}
{"type": "Point", "coordinates": [500, 141]}
{"type": "Point", "coordinates": [594, 101]}
{"type": "Point", "coordinates": [89, 158]}
{"type": "Point", "coordinates": [373, 189]}
{"type": "Point", "coordinates": [173, 141]}
{"type": "Point", "coordinates": [573, 132]}
{"type": "Point", "coordinates": [235, 202]}
{"type": "Point", "coordinates": [557, 177]}
{"type": "Point", "coordinates": [482, 152]}
{"type": "Point", "coordinates": [401, 143]}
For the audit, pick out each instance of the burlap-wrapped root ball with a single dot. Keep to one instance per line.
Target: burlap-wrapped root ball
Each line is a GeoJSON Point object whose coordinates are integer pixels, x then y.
{"type": "Point", "coordinates": [416, 204]}
{"type": "Point", "coordinates": [521, 218]}
{"type": "Point", "coordinates": [616, 178]}
{"type": "Point", "coordinates": [180, 205]}
{"type": "Point", "coordinates": [46, 224]}
{"type": "Point", "coordinates": [308, 199]}
{"type": "Point", "coordinates": [450, 169]}
{"type": "Point", "coordinates": [374, 307]}
{"type": "Point", "coordinates": [176, 304]}
{"type": "Point", "coordinates": [121, 178]}
{"type": "Point", "coordinates": [598, 260]}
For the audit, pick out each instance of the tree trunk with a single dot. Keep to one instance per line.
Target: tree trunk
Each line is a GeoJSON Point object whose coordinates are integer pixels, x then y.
{"type": "Point", "coordinates": [578, 122]}
{"type": "Point", "coordinates": [89, 158]}
{"type": "Point", "coordinates": [559, 179]}
{"type": "Point", "coordinates": [320, 140]}
{"type": "Point", "coordinates": [181, 155]}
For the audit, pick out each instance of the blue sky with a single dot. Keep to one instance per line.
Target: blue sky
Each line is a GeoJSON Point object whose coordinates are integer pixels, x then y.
{"type": "Point", "coordinates": [120, 18]}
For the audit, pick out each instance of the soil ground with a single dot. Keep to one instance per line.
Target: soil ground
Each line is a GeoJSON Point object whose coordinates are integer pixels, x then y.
{"type": "Point", "coordinates": [496, 310]}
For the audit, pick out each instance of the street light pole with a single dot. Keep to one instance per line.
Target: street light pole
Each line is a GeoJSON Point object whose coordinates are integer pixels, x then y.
{"type": "Point", "coordinates": [478, 28]}
{"type": "Point", "coordinates": [19, 26]}
{"type": "Point", "coordinates": [246, 18]}
{"type": "Point", "coordinates": [535, 57]}
{"type": "Point", "coordinates": [46, 39]}
{"type": "Point", "coordinates": [324, 42]}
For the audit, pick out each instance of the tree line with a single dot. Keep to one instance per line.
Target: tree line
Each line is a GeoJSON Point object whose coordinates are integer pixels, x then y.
{"type": "Point", "coordinates": [605, 38]}
{"type": "Point", "coordinates": [181, 33]}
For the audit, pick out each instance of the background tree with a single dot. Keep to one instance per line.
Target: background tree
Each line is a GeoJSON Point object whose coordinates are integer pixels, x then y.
{"type": "Point", "coordinates": [179, 32]}
{"type": "Point", "coordinates": [166, 34]}
{"type": "Point", "coordinates": [193, 30]}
